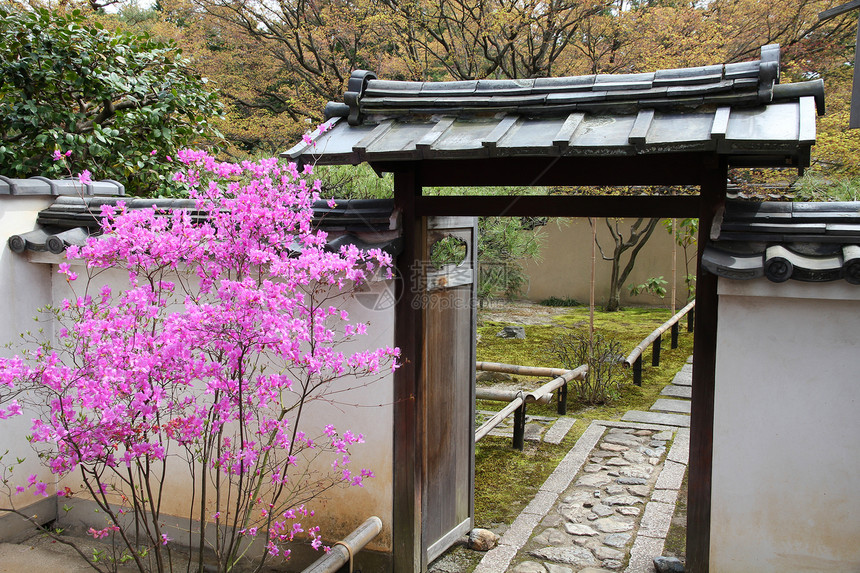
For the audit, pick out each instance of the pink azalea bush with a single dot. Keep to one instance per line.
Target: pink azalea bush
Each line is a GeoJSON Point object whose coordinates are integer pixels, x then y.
{"type": "Point", "coordinates": [230, 324]}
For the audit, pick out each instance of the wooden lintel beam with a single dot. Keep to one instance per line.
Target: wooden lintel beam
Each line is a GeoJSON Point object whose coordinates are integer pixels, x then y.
{"type": "Point", "coordinates": [659, 169]}
{"type": "Point", "coordinates": [662, 206]}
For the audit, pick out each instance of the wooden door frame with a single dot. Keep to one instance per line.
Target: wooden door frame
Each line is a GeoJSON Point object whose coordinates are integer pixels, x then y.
{"type": "Point", "coordinates": [707, 171]}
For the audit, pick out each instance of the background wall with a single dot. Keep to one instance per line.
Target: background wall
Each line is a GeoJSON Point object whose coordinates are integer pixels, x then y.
{"type": "Point", "coordinates": [564, 267]}
{"type": "Point", "coordinates": [24, 287]}
{"type": "Point", "coordinates": [786, 428]}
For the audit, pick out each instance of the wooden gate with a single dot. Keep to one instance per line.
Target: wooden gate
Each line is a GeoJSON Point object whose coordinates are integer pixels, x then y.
{"type": "Point", "coordinates": [448, 381]}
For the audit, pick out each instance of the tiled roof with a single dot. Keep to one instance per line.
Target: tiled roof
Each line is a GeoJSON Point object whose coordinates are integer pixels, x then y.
{"type": "Point", "coordinates": [366, 223]}
{"type": "Point", "coordinates": [738, 110]}
{"type": "Point", "coordinates": [812, 242]}
{"type": "Point", "coordinates": [55, 187]}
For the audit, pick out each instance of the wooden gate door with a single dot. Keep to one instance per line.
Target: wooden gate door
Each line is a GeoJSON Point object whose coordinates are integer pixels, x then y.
{"type": "Point", "coordinates": [449, 318]}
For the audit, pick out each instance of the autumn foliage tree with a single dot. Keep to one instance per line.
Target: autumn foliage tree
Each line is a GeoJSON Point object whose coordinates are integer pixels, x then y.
{"type": "Point", "coordinates": [110, 98]}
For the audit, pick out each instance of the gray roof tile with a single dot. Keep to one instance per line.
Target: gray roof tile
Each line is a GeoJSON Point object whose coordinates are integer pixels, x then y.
{"type": "Point", "coordinates": [366, 223]}
{"type": "Point", "coordinates": [737, 110]}
{"type": "Point", "coordinates": [810, 242]}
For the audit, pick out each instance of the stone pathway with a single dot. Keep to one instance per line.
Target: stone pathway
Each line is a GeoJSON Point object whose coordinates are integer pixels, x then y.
{"type": "Point", "coordinates": [608, 505]}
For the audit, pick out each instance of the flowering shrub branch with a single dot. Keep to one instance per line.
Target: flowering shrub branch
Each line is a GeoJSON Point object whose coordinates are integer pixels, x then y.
{"type": "Point", "coordinates": [231, 323]}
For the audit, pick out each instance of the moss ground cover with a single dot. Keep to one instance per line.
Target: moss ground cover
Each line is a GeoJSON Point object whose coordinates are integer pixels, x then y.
{"type": "Point", "coordinates": [506, 479]}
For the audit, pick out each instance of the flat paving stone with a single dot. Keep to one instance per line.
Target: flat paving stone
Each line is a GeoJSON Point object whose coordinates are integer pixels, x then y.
{"type": "Point", "coordinates": [680, 450]}
{"type": "Point", "coordinates": [671, 477]}
{"type": "Point", "coordinates": [683, 378]}
{"type": "Point", "coordinates": [497, 559]}
{"type": "Point", "coordinates": [665, 496]}
{"type": "Point", "coordinates": [558, 430]}
{"type": "Point", "coordinates": [667, 405]}
{"type": "Point", "coordinates": [656, 520]}
{"type": "Point", "coordinates": [642, 554]}
{"type": "Point", "coordinates": [657, 418]}
{"type": "Point", "coordinates": [678, 391]}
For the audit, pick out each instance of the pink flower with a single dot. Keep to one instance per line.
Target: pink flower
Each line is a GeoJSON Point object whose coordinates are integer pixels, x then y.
{"type": "Point", "coordinates": [57, 155]}
{"type": "Point", "coordinates": [85, 177]}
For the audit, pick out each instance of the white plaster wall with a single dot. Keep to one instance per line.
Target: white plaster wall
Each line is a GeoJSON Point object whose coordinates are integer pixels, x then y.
{"type": "Point", "coordinates": [786, 455]}
{"type": "Point", "coordinates": [365, 409]}
{"type": "Point", "coordinates": [24, 287]}
{"type": "Point", "coordinates": [564, 266]}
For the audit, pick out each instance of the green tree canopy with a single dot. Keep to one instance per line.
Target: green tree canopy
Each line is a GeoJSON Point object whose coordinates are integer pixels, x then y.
{"type": "Point", "coordinates": [111, 98]}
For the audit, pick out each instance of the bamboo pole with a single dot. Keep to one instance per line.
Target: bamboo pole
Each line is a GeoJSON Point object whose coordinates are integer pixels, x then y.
{"type": "Point", "coordinates": [342, 552]}
{"type": "Point", "coordinates": [507, 395]}
{"type": "Point", "coordinates": [487, 426]}
{"type": "Point", "coordinates": [538, 371]}
{"type": "Point", "coordinates": [640, 348]}
{"type": "Point", "coordinates": [522, 397]}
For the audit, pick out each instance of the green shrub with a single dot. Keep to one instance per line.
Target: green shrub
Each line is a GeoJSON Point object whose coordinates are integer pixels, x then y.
{"type": "Point", "coordinates": [606, 375]}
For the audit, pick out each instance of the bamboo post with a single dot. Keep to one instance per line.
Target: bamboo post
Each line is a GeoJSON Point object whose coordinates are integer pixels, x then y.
{"type": "Point", "coordinates": [675, 330]}
{"type": "Point", "coordinates": [691, 319]}
{"type": "Point", "coordinates": [655, 350]}
{"type": "Point", "coordinates": [637, 371]}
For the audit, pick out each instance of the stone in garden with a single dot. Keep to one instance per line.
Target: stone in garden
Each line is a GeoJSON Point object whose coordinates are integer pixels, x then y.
{"type": "Point", "coordinates": [533, 432]}
{"type": "Point", "coordinates": [572, 514]}
{"type": "Point", "coordinates": [657, 443]}
{"type": "Point", "coordinates": [653, 461]}
{"type": "Point", "coordinates": [640, 490]}
{"type": "Point", "coordinates": [615, 489]}
{"type": "Point", "coordinates": [592, 516]}
{"type": "Point", "coordinates": [593, 480]}
{"type": "Point", "coordinates": [634, 457]}
{"type": "Point", "coordinates": [668, 565]}
{"type": "Point", "coordinates": [552, 520]}
{"type": "Point", "coordinates": [612, 525]}
{"type": "Point", "coordinates": [629, 511]}
{"type": "Point", "coordinates": [617, 462]}
{"type": "Point", "coordinates": [640, 471]}
{"type": "Point", "coordinates": [631, 481]}
{"type": "Point", "coordinates": [621, 440]}
{"type": "Point", "coordinates": [616, 539]}
{"type": "Point", "coordinates": [612, 564]}
{"type": "Point", "coordinates": [664, 435]}
{"type": "Point", "coordinates": [603, 552]}
{"type": "Point", "coordinates": [602, 510]}
{"type": "Point", "coordinates": [551, 536]}
{"type": "Point", "coordinates": [579, 529]}
{"type": "Point", "coordinates": [613, 447]}
{"type": "Point", "coordinates": [622, 500]}
{"type": "Point", "coordinates": [529, 567]}
{"type": "Point", "coordinates": [654, 452]}
{"type": "Point", "coordinates": [592, 468]}
{"type": "Point", "coordinates": [579, 496]}
{"type": "Point", "coordinates": [643, 433]}
{"type": "Point", "coordinates": [577, 556]}
{"type": "Point", "coordinates": [512, 332]}
{"type": "Point", "coordinates": [553, 568]}
{"type": "Point", "coordinates": [482, 539]}
{"type": "Point", "coordinates": [493, 377]}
